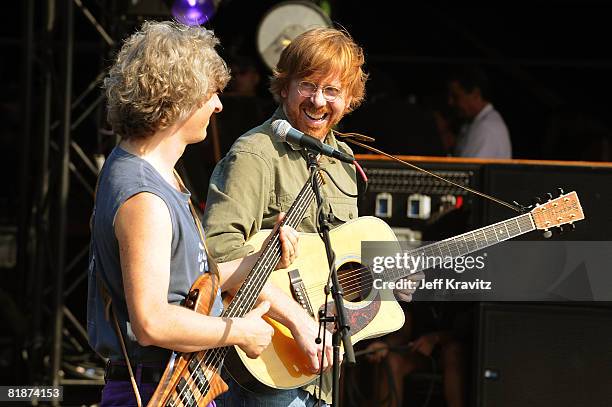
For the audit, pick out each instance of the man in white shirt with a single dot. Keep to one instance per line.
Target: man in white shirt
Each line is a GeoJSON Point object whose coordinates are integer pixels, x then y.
{"type": "Point", "coordinates": [484, 134]}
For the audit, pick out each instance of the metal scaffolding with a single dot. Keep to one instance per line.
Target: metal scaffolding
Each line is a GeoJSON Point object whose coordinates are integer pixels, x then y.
{"type": "Point", "coordinates": [51, 267]}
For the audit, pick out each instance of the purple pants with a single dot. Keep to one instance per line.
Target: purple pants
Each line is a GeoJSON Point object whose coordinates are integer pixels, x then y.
{"type": "Point", "coordinates": [120, 393]}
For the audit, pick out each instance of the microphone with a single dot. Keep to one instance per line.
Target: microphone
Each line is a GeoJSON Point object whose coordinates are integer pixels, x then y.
{"type": "Point", "coordinates": [283, 130]}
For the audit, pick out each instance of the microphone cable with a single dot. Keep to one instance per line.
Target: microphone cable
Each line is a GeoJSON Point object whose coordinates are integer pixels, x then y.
{"type": "Point", "coordinates": [353, 137]}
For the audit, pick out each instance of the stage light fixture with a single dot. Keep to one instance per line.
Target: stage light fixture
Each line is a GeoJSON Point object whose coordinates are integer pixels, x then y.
{"type": "Point", "coordinates": [193, 12]}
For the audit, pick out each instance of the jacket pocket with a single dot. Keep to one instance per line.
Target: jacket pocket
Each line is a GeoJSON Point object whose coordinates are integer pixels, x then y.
{"type": "Point", "coordinates": [343, 209]}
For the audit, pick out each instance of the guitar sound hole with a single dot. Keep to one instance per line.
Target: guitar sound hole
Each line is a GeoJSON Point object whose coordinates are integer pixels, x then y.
{"type": "Point", "coordinates": [356, 281]}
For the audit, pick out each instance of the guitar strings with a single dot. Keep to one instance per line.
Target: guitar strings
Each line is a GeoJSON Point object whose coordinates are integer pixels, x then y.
{"type": "Point", "coordinates": [212, 361]}
{"type": "Point", "coordinates": [213, 357]}
{"type": "Point", "coordinates": [355, 274]}
{"type": "Point", "coordinates": [273, 255]}
{"type": "Point", "coordinates": [350, 286]}
{"type": "Point", "coordinates": [360, 279]}
{"type": "Point", "coordinates": [360, 275]}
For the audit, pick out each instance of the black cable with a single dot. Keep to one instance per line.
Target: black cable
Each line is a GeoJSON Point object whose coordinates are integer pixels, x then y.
{"type": "Point", "coordinates": [350, 137]}
{"type": "Point", "coordinates": [338, 186]}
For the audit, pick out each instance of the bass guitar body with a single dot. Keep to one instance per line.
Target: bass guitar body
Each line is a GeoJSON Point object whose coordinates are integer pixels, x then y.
{"type": "Point", "coordinates": [192, 379]}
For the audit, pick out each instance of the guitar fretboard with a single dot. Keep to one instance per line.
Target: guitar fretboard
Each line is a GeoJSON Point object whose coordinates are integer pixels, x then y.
{"type": "Point", "coordinates": [466, 243]}
{"type": "Point", "coordinates": [247, 295]}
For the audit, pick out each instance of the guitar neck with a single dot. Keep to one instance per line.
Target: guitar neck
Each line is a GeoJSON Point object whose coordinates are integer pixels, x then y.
{"type": "Point", "coordinates": [466, 243]}
{"type": "Point", "coordinates": [245, 298]}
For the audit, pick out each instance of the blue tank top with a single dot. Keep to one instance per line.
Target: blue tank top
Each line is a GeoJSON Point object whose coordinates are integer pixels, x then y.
{"type": "Point", "coordinates": [123, 176]}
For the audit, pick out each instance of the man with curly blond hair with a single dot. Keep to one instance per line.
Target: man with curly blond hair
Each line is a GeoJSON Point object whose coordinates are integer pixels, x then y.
{"type": "Point", "coordinates": [146, 247]}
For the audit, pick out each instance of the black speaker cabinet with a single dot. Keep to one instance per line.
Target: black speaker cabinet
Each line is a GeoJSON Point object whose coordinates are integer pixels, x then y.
{"type": "Point", "coordinates": [522, 182]}
{"type": "Point", "coordinates": [544, 355]}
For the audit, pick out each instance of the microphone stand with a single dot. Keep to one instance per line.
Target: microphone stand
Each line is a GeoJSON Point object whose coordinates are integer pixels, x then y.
{"type": "Point", "coordinates": [341, 333]}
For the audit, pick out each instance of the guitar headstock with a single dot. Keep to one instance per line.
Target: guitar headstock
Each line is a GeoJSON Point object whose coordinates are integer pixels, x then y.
{"type": "Point", "coordinates": [556, 212]}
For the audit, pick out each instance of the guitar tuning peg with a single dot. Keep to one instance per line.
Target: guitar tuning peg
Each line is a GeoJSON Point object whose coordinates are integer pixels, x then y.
{"type": "Point", "coordinates": [550, 196]}
{"type": "Point", "coordinates": [560, 191]}
{"type": "Point", "coordinates": [521, 207]}
{"type": "Point", "coordinates": [537, 200]}
{"type": "Point", "coordinates": [547, 234]}
{"type": "Point", "coordinates": [573, 226]}
{"type": "Point", "coordinates": [561, 229]}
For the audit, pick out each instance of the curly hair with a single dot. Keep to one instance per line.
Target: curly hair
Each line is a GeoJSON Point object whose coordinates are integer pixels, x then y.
{"type": "Point", "coordinates": [162, 74]}
{"type": "Point", "coordinates": [322, 50]}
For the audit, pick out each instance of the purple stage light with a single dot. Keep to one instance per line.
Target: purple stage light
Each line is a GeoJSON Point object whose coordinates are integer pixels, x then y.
{"type": "Point", "coordinates": [193, 12]}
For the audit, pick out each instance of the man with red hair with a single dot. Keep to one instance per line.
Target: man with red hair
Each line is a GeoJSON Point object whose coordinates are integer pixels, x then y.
{"type": "Point", "coordinates": [318, 79]}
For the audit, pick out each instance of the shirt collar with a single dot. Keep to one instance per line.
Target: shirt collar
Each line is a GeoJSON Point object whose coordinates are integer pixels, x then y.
{"type": "Point", "coordinates": [485, 110]}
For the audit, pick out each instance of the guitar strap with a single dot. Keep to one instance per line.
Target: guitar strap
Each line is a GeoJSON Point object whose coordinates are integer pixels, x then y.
{"type": "Point", "coordinates": [107, 309]}
{"type": "Point", "coordinates": [212, 264]}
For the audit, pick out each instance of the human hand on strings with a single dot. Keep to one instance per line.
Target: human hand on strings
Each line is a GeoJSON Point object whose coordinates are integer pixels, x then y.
{"type": "Point", "coordinates": [289, 239]}
{"type": "Point", "coordinates": [257, 333]}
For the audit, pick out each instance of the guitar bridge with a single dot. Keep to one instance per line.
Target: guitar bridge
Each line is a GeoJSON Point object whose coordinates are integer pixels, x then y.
{"type": "Point", "coordinates": [299, 291]}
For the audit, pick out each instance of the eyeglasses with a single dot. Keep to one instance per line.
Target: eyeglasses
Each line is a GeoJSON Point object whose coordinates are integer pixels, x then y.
{"type": "Point", "coordinates": [307, 89]}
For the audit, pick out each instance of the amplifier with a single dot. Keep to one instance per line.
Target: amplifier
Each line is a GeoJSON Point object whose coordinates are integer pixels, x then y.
{"type": "Point", "coordinates": [543, 355]}
{"type": "Point", "coordinates": [524, 181]}
{"type": "Point", "coordinates": [413, 202]}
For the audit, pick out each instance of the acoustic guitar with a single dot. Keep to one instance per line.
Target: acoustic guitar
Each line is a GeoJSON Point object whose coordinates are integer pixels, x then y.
{"type": "Point", "coordinates": [283, 365]}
